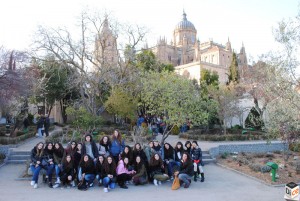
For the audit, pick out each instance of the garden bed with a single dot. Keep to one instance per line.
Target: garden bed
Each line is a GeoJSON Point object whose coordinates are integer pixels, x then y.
{"type": "Point", "coordinates": [255, 165]}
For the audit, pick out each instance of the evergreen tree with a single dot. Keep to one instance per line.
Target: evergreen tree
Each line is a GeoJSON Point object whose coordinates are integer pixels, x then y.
{"type": "Point", "coordinates": [233, 69]}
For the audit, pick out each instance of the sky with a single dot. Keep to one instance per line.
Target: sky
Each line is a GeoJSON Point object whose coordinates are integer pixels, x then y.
{"type": "Point", "coordinates": [248, 22]}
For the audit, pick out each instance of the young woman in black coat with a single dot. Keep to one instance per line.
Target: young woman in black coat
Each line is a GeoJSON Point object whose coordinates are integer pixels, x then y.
{"type": "Point", "coordinates": [67, 174]}
{"type": "Point", "coordinates": [87, 170]}
{"type": "Point", "coordinates": [36, 163]}
{"type": "Point", "coordinates": [48, 163]}
{"type": "Point", "coordinates": [109, 174]}
{"type": "Point", "coordinates": [196, 154]}
{"type": "Point", "coordinates": [186, 170]}
{"type": "Point", "coordinates": [58, 153]}
{"type": "Point", "coordinates": [99, 169]}
{"type": "Point", "coordinates": [141, 177]}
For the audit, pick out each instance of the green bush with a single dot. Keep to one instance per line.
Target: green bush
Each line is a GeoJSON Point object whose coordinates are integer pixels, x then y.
{"type": "Point", "coordinates": [175, 130]}
{"type": "Point", "coordinates": [2, 156]}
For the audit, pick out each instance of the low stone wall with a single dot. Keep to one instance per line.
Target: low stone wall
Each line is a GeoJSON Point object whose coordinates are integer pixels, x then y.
{"type": "Point", "coordinates": [4, 149]}
{"type": "Point", "coordinates": [248, 148]}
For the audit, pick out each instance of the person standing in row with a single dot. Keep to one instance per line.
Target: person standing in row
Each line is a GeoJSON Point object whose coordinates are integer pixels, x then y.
{"type": "Point", "coordinates": [117, 145]}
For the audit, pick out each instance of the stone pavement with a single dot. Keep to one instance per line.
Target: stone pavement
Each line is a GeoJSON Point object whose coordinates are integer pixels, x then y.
{"type": "Point", "coordinates": [220, 184]}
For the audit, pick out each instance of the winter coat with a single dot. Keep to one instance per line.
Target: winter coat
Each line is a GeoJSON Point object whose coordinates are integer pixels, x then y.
{"type": "Point", "coordinates": [140, 171]}
{"type": "Point", "coordinates": [34, 157]}
{"type": "Point", "coordinates": [99, 169]}
{"type": "Point", "coordinates": [116, 148]}
{"type": "Point", "coordinates": [94, 148]}
{"type": "Point", "coordinates": [187, 168]}
{"type": "Point", "coordinates": [121, 169]}
{"type": "Point", "coordinates": [87, 167]}
{"type": "Point", "coordinates": [176, 155]}
{"type": "Point", "coordinates": [102, 150]}
{"type": "Point", "coordinates": [110, 170]}
{"type": "Point", "coordinates": [140, 153]}
{"type": "Point", "coordinates": [196, 154]}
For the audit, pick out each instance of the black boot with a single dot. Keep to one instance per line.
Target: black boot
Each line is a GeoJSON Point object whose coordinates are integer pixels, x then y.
{"type": "Point", "coordinates": [202, 177]}
{"type": "Point", "coordinates": [195, 176]}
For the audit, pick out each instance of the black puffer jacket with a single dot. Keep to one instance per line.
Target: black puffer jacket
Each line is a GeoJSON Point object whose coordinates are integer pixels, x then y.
{"type": "Point", "coordinates": [196, 154]}
{"type": "Point", "coordinates": [35, 157]}
{"type": "Point", "coordinates": [187, 168]}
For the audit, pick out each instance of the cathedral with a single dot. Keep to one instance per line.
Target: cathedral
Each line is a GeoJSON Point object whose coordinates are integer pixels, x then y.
{"type": "Point", "coordinates": [184, 52]}
{"type": "Point", "coordinates": [189, 56]}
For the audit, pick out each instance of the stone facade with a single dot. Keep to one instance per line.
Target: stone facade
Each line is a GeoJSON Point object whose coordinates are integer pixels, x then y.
{"type": "Point", "coordinates": [189, 56]}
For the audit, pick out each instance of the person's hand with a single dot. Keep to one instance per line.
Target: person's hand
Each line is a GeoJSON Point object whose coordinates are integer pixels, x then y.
{"type": "Point", "coordinates": [166, 175]}
{"type": "Point", "coordinates": [38, 162]}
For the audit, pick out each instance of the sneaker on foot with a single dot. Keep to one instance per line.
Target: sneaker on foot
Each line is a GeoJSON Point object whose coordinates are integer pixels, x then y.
{"type": "Point", "coordinates": [35, 185]}
{"type": "Point", "coordinates": [91, 184]}
{"type": "Point", "coordinates": [105, 190]}
{"type": "Point", "coordinates": [50, 185]}
{"type": "Point", "coordinates": [186, 185]}
{"type": "Point", "coordinates": [155, 182]}
{"type": "Point", "coordinates": [32, 183]}
{"type": "Point", "coordinates": [56, 185]}
{"type": "Point", "coordinates": [124, 187]}
{"type": "Point", "coordinates": [159, 182]}
{"type": "Point", "coordinates": [57, 181]}
{"type": "Point", "coordinates": [73, 183]}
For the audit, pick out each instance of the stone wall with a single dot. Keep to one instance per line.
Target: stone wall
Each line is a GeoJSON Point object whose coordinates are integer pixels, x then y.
{"type": "Point", "coordinates": [248, 148]}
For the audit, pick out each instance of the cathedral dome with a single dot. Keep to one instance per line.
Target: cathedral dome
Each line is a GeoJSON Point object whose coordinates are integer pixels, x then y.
{"type": "Point", "coordinates": [185, 24]}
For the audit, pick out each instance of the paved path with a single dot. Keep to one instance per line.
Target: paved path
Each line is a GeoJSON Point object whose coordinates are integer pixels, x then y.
{"type": "Point", "coordinates": [220, 184]}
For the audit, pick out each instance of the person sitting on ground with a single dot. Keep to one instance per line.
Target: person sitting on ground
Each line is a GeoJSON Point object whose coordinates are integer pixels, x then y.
{"type": "Point", "coordinates": [157, 148]}
{"type": "Point", "coordinates": [169, 158]}
{"type": "Point", "coordinates": [123, 174]}
{"type": "Point", "coordinates": [67, 174]}
{"type": "Point", "coordinates": [104, 146]}
{"type": "Point", "coordinates": [99, 169]}
{"type": "Point", "coordinates": [109, 174]}
{"type": "Point", "coordinates": [87, 170]}
{"type": "Point", "coordinates": [158, 172]}
{"type": "Point", "coordinates": [186, 170]}
{"type": "Point", "coordinates": [36, 163]}
{"type": "Point", "coordinates": [188, 146]}
{"type": "Point", "coordinates": [140, 178]}
{"type": "Point", "coordinates": [178, 151]}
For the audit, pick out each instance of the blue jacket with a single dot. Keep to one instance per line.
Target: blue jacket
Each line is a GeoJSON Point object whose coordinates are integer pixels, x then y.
{"type": "Point", "coordinates": [116, 148]}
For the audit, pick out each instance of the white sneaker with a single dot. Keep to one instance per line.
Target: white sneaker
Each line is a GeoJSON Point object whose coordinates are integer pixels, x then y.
{"type": "Point", "coordinates": [155, 182]}
{"type": "Point", "coordinates": [159, 182]}
{"type": "Point", "coordinates": [56, 185]}
{"type": "Point", "coordinates": [105, 190]}
{"type": "Point", "coordinates": [73, 183]}
{"type": "Point", "coordinates": [35, 185]}
{"type": "Point", "coordinates": [57, 181]}
{"type": "Point", "coordinates": [32, 183]}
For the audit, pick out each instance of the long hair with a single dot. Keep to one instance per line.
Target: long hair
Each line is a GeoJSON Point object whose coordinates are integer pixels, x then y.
{"type": "Point", "coordinates": [39, 152]}
{"type": "Point", "coordinates": [127, 155]}
{"type": "Point", "coordinates": [181, 148]}
{"type": "Point", "coordinates": [154, 162]}
{"type": "Point", "coordinates": [168, 152]}
{"type": "Point", "coordinates": [108, 141]}
{"type": "Point", "coordinates": [119, 138]}
{"type": "Point", "coordinates": [108, 167]}
{"type": "Point", "coordinates": [138, 166]}
{"type": "Point", "coordinates": [48, 151]}
{"type": "Point", "coordinates": [60, 151]}
{"type": "Point", "coordinates": [70, 150]}
{"type": "Point", "coordinates": [66, 164]}
{"type": "Point", "coordinates": [90, 161]}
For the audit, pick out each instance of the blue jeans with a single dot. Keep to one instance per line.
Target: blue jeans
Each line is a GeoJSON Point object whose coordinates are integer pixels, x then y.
{"type": "Point", "coordinates": [57, 171]}
{"type": "Point", "coordinates": [89, 178]}
{"type": "Point", "coordinates": [40, 132]}
{"type": "Point", "coordinates": [36, 172]}
{"type": "Point", "coordinates": [49, 168]}
{"type": "Point", "coordinates": [184, 177]}
{"type": "Point", "coordinates": [108, 181]}
{"type": "Point", "coordinates": [171, 165]}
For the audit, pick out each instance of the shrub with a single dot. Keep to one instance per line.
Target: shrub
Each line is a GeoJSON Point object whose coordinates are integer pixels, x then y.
{"type": "Point", "coordinates": [224, 155]}
{"type": "Point", "coordinates": [255, 167]}
{"type": "Point", "coordinates": [175, 130]}
{"type": "Point", "coordinates": [265, 169]}
{"type": "Point", "coordinates": [236, 127]}
{"type": "Point", "coordinates": [2, 156]}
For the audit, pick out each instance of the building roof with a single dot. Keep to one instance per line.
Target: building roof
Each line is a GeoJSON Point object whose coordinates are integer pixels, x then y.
{"type": "Point", "coordinates": [185, 24]}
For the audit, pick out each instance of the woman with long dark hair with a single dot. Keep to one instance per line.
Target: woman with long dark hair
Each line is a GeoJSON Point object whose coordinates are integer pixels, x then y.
{"type": "Point", "coordinates": [141, 177]}
{"type": "Point", "coordinates": [123, 174]}
{"type": "Point", "coordinates": [188, 146]}
{"type": "Point", "coordinates": [36, 163]}
{"type": "Point", "coordinates": [186, 170]}
{"type": "Point", "coordinates": [117, 145]}
{"type": "Point", "coordinates": [48, 163]}
{"type": "Point", "coordinates": [127, 153]}
{"type": "Point", "coordinates": [71, 149]}
{"type": "Point", "coordinates": [104, 146]}
{"type": "Point", "coordinates": [67, 174]}
{"type": "Point", "coordinates": [178, 151]}
{"type": "Point", "coordinates": [99, 169]}
{"type": "Point", "coordinates": [158, 172]}
{"type": "Point", "coordinates": [87, 170]}
{"type": "Point", "coordinates": [109, 174]}
{"type": "Point", "coordinates": [196, 154]}
{"type": "Point", "coordinates": [89, 147]}
{"type": "Point", "coordinates": [58, 154]}
{"type": "Point", "coordinates": [77, 157]}
{"type": "Point", "coordinates": [169, 158]}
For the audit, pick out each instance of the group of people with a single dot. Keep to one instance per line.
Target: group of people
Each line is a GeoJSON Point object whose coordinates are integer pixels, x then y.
{"type": "Point", "coordinates": [111, 162]}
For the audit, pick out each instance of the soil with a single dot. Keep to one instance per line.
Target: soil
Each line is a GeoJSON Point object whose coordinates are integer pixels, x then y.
{"type": "Point", "coordinates": [286, 171]}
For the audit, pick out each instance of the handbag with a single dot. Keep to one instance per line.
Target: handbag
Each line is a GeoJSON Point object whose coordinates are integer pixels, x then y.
{"type": "Point", "coordinates": [82, 186]}
{"type": "Point", "coordinates": [176, 183]}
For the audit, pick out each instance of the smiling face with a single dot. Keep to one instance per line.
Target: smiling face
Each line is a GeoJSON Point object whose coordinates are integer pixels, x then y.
{"type": "Point", "coordinates": [50, 146]}
{"type": "Point", "coordinates": [126, 161]}
{"type": "Point", "coordinates": [88, 138]}
{"type": "Point", "coordinates": [178, 146]}
{"type": "Point", "coordinates": [105, 139]}
{"type": "Point", "coordinates": [56, 146]}
{"type": "Point", "coordinates": [79, 146]}
{"type": "Point", "coordinates": [138, 159]}
{"type": "Point", "coordinates": [86, 158]}
{"type": "Point", "coordinates": [116, 134]}
{"type": "Point", "coordinates": [101, 159]}
{"type": "Point", "coordinates": [167, 146]}
{"type": "Point", "coordinates": [109, 160]}
{"type": "Point", "coordinates": [184, 157]}
{"type": "Point", "coordinates": [126, 150]}
{"type": "Point", "coordinates": [156, 156]}
{"type": "Point", "coordinates": [40, 146]}
{"type": "Point", "coordinates": [156, 143]}
{"type": "Point", "coordinates": [137, 146]}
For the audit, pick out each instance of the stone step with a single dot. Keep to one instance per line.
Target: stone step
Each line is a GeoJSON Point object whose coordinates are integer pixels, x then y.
{"type": "Point", "coordinates": [206, 156]}
{"type": "Point", "coordinates": [19, 157]}
{"type": "Point", "coordinates": [16, 161]}
{"type": "Point", "coordinates": [20, 153]}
